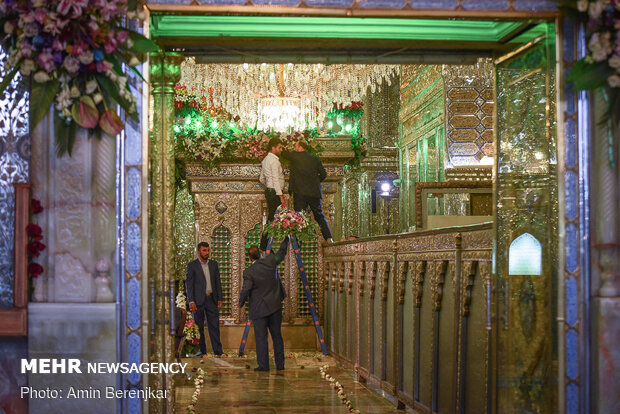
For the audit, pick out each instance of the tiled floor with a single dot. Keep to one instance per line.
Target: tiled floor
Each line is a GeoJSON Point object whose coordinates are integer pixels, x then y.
{"type": "Point", "coordinates": [232, 386]}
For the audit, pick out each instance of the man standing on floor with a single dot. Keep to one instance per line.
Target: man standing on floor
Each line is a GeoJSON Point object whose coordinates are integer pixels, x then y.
{"type": "Point", "coordinates": [272, 178]}
{"type": "Point", "coordinates": [263, 286]}
{"type": "Point", "coordinates": [307, 173]}
{"type": "Point", "coordinates": [204, 293]}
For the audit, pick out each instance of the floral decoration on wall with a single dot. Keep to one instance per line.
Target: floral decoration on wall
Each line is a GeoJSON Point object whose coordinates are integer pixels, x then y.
{"type": "Point", "coordinates": [76, 53]}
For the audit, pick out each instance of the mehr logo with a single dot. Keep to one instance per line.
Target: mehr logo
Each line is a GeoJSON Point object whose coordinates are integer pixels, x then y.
{"type": "Point", "coordinates": [51, 366]}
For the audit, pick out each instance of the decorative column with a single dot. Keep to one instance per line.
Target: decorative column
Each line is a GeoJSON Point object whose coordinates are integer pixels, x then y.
{"type": "Point", "coordinates": [165, 71]}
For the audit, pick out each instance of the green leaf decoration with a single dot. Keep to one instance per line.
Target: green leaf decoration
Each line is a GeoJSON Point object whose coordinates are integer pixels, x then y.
{"type": "Point", "coordinates": [110, 88]}
{"type": "Point", "coordinates": [41, 98]}
{"type": "Point", "coordinates": [8, 78]}
{"type": "Point", "coordinates": [587, 76]}
{"type": "Point", "coordinates": [142, 44]}
{"type": "Point", "coordinates": [66, 133]}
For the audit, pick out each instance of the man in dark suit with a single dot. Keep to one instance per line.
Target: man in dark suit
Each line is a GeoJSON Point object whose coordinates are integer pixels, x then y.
{"type": "Point", "coordinates": [306, 174]}
{"type": "Point", "coordinates": [204, 293]}
{"type": "Point", "coordinates": [265, 290]}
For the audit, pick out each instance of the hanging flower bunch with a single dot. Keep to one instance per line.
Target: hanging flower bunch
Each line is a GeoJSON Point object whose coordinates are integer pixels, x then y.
{"type": "Point", "coordinates": [353, 110]}
{"type": "Point", "coordinates": [202, 138]}
{"type": "Point", "coordinates": [192, 335]}
{"type": "Point", "coordinates": [339, 388]}
{"type": "Point", "coordinates": [289, 222]}
{"type": "Point", "coordinates": [74, 51]}
{"type": "Point", "coordinates": [35, 235]}
{"type": "Point", "coordinates": [600, 68]}
{"type": "Point", "coordinates": [198, 384]}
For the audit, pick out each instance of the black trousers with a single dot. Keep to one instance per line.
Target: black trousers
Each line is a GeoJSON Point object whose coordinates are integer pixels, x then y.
{"type": "Point", "coordinates": [213, 325]}
{"type": "Point", "coordinates": [273, 201]}
{"type": "Point", "coordinates": [273, 323]}
{"type": "Point", "coordinates": [302, 202]}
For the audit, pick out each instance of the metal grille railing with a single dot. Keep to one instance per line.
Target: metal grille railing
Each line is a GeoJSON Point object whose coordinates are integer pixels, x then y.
{"type": "Point", "coordinates": [252, 237]}
{"type": "Point", "coordinates": [220, 252]}
{"type": "Point", "coordinates": [309, 256]}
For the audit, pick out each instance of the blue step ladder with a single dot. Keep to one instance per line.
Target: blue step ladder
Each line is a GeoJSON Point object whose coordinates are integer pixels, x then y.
{"type": "Point", "coordinates": [306, 285]}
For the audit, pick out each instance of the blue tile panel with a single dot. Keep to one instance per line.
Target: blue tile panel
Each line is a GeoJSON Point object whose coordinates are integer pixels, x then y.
{"type": "Point", "coordinates": [572, 189]}
{"type": "Point", "coordinates": [434, 4]}
{"type": "Point", "coordinates": [572, 304]}
{"type": "Point", "coordinates": [572, 399]}
{"type": "Point", "coordinates": [134, 405]}
{"type": "Point", "coordinates": [134, 190]}
{"type": "Point", "coordinates": [485, 4]}
{"type": "Point", "coordinates": [383, 4]}
{"type": "Point", "coordinates": [572, 247]}
{"type": "Point", "coordinates": [569, 40]}
{"type": "Point", "coordinates": [133, 303]}
{"type": "Point", "coordinates": [133, 356]}
{"type": "Point", "coordinates": [535, 5]}
{"type": "Point", "coordinates": [133, 242]}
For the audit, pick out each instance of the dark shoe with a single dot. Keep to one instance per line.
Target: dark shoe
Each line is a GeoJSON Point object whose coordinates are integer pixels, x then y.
{"type": "Point", "coordinates": [261, 369]}
{"type": "Point", "coordinates": [280, 369]}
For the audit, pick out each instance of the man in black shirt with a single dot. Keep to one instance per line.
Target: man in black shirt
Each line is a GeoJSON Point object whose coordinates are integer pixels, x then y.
{"type": "Point", "coordinates": [306, 174]}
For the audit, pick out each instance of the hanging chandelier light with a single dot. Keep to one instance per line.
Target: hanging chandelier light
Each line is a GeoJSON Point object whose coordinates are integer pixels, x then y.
{"type": "Point", "coordinates": [283, 96]}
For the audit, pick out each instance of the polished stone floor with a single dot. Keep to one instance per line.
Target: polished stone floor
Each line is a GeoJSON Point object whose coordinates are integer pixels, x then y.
{"type": "Point", "coordinates": [232, 386]}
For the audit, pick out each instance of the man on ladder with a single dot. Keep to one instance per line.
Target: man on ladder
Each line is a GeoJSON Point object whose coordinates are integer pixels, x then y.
{"type": "Point", "coordinates": [264, 288]}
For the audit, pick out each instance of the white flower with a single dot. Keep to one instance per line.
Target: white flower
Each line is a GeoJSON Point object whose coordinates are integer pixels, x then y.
{"type": "Point", "coordinates": [8, 27]}
{"type": "Point", "coordinates": [582, 5]}
{"type": "Point", "coordinates": [75, 92]}
{"type": "Point", "coordinates": [91, 85]}
{"type": "Point", "coordinates": [614, 81]}
{"type": "Point", "coordinates": [27, 67]}
{"type": "Point", "coordinates": [71, 64]}
{"type": "Point", "coordinates": [97, 98]}
{"type": "Point", "coordinates": [614, 61]}
{"type": "Point", "coordinates": [41, 77]}
{"type": "Point", "coordinates": [134, 61]}
{"type": "Point", "coordinates": [596, 8]}
{"type": "Point", "coordinates": [86, 57]}
{"type": "Point", "coordinates": [600, 46]}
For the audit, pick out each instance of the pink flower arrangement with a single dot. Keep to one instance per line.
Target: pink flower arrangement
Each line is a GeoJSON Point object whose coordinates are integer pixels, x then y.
{"type": "Point", "coordinates": [294, 223]}
{"type": "Point", "coordinates": [601, 65]}
{"type": "Point", "coordinates": [74, 51]}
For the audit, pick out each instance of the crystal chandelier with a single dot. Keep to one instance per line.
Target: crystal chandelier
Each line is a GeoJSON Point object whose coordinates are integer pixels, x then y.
{"type": "Point", "coordinates": [283, 96]}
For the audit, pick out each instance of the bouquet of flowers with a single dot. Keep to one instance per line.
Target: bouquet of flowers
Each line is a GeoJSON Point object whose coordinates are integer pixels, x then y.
{"type": "Point", "coordinates": [295, 223]}
{"type": "Point", "coordinates": [354, 110]}
{"type": "Point", "coordinates": [192, 336]}
{"type": "Point", "coordinates": [74, 51]}
{"type": "Point", "coordinates": [600, 68]}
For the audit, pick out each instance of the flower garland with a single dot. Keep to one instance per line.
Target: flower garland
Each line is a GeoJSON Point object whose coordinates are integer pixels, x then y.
{"type": "Point", "coordinates": [354, 110]}
{"type": "Point", "coordinates": [338, 387]}
{"type": "Point", "coordinates": [208, 135]}
{"type": "Point", "coordinates": [198, 383]}
{"type": "Point", "coordinates": [289, 222]}
{"type": "Point", "coordinates": [74, 51]}
{"type": "Point", "coordinates": [192, 335]}
{"type": "Point", "coordinates": [35, 235]}
{"type": "Point", "coordinates": [600, 68]}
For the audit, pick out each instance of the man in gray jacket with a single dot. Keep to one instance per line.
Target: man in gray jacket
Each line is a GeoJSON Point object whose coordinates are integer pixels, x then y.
{"type": "Point", "coordinates": [264, 288]}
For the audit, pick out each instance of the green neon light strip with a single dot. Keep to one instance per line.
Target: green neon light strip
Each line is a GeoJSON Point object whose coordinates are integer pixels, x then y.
{"type": "Point", "coordinates": [329, 27]}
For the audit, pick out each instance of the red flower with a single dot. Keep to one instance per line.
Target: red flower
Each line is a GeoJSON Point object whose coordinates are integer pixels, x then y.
{"type": "Point", "coordinates": [35, 269]}
{"type": "Point", "coordinates": [34, 248]}
{"type": "Point", "coordinates": [193, 104]}
{"type": "Point", "coordinates": [34, 231]}
{"type": "Point", "coordinates": [35, 206]}
{"type": "Point", "coordinates": [178, 104]}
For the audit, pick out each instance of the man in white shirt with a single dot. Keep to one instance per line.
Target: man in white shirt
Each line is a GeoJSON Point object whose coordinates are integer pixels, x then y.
{"type": "Point", "coordinates": [272, 178]}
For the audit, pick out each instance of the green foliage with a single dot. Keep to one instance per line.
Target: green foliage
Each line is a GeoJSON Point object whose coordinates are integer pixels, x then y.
{"type": "Point", "coordinates": [41, 97]}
